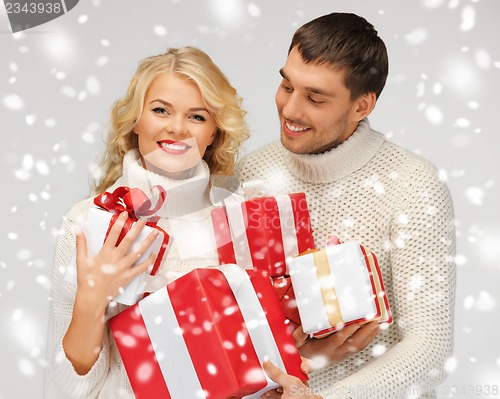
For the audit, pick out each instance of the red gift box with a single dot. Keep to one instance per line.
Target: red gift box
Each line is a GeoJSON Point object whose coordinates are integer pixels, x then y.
{"type": "Point", "coordinates": [261, 233]}
{"type": "Point", "coordinates": [205, 335]}
{"type": "Point", "coordinates": [286, 296]}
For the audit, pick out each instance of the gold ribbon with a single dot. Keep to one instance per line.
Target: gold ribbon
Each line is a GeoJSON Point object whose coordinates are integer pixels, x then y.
{"type": "Point", "coordinates": [378, 288]}
{"type": "Point", "coordinates": [327, 288]}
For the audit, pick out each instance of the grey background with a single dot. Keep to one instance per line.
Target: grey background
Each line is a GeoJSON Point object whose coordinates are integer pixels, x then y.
{"type": "Point", "coordinates": [59, 80]}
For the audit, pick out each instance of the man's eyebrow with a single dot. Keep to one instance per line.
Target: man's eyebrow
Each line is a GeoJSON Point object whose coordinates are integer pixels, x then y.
{"type": "Point", "coordinates": [314, 90]}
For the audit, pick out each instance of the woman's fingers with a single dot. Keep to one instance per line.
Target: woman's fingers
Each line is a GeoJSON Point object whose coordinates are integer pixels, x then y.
{"type": "Point", "coordinates": [129, 239]}
{"type": "Point", "coordinates": [136, 270]}
{"type": "Point", "coordinates": [81, 245]}
{"type": "Point", "coordinates": [114, 232]}
{"type": "Point", "coordinates": [132, 257]}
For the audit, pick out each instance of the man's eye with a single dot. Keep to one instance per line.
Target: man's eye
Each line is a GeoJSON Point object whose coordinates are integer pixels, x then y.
{"type": "Point", "coordinates": [312, 100]}
{"type": "Point", "coordinates": [287, 88]}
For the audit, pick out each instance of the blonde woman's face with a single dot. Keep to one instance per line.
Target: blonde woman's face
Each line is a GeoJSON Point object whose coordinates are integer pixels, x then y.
{"type": "Point", "coordinates": [175, 127]}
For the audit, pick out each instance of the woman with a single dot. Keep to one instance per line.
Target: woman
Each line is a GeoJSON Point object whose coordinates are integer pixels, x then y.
{"type": "Point", "coordinates": [179, 122]}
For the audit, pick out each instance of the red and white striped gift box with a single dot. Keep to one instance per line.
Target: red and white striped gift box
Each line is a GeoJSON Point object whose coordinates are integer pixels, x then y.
{"type": "Point", "coordinates": [206, 335]}
{"type": "Point", "coordinates": [261, 233]}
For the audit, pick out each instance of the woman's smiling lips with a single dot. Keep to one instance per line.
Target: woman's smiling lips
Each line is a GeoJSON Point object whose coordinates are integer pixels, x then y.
{"type": "Point", "coordinates": [174, 147]}
{"type": "Point", "coordinates": [293, 130]}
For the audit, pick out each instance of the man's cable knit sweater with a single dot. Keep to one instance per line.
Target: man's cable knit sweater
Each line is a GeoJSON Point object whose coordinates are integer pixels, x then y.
{"type": "Point", "coordinates": [185, 216]}
{"type": "Point", "coordinates": [393, 202]}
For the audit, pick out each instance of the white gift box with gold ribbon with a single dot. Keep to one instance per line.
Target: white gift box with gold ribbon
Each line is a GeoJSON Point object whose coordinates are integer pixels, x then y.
{"type": "Point", "coordinates": [338, 285]}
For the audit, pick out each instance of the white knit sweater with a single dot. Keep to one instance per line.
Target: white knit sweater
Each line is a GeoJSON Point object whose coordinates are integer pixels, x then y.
{"type": "Point", "coordinates": [186, 216]}
{"type": "Point", "coordinates": [393, 202]}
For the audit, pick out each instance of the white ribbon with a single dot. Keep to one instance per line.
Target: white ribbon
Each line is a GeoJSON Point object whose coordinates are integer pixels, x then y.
{"type": "Point", "coordinates": [255, 189]}
{"type": "Point", "coordinates": [287, 223]}
{"type": "Point", "coordinates": [255, 319]}
{"type": "Point", "coordinates": [237, 228]}
{"type": "Point", "coordinates": [170, 349]}
{"type": "Point", "coordinates": [307, 289]}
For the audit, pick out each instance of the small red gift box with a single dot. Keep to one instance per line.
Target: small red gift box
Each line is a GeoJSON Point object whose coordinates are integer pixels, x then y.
{"type": "Point", "coordinates": [205, 335]}
{"type": "Point", "coordinates": [261, 233]}
{"type": "Point", "coordinates": [100, 219]}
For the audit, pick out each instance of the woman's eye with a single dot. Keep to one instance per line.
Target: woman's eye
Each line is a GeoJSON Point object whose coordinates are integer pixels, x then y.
{"type": "Point", "coordinates": [159, 110]}
{"type": "Point", "coordinates": [287, 88]}
{"type": "Point", "coordinates": [200, 118]}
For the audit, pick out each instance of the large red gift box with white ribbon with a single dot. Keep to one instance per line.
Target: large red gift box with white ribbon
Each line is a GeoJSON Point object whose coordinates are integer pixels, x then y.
{"type": "Point", "coordinates": [261, 233]}
{"type": "Point", "coordinates": [206, 335]}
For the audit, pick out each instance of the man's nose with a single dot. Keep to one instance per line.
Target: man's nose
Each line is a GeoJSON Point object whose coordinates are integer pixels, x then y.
{"type": "Point", "coordinates": [293, 107]}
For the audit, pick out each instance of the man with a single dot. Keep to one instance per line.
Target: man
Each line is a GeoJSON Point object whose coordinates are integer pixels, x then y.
{"type": "Point", "coordinates": [361, 187]}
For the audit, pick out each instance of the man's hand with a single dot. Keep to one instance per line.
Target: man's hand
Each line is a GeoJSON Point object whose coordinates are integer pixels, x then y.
{"type": "Point", "coordinates": [337, 346]}
{"type": "Point", "coordinates": [291, 387]}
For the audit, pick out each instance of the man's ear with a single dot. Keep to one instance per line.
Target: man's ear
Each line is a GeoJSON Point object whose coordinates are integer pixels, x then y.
{"type": "Point", "coordinates": [364, 105]}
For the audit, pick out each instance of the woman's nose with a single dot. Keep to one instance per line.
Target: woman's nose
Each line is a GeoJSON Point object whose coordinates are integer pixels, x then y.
{"type": "Point", "coordinates": [176, 126]}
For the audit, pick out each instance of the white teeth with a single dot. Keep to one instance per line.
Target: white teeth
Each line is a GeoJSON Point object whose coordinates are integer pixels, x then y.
{"type": "Point", "coordinates": [173, 146]}
{"type": "Point", "coordinates": [295, 128]}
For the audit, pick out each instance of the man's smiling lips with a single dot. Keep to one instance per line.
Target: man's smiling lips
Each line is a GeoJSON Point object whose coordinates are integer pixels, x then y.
{"type": "Point", "coordinates": [174, 147]}
{"type": "Point", "coordinates": [293, 130]}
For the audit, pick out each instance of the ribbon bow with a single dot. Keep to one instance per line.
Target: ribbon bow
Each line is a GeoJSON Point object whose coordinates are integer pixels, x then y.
{"type": "Point", "coordinates": [135, 202]}
{"type": "Point", "coordinates": [132, 200]}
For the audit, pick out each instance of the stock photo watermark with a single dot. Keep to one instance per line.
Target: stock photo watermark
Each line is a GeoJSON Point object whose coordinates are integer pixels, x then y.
{"type": "Point", "coordinates": [26, 14]}
{"type": "Point", "coordinates": [448, 391]}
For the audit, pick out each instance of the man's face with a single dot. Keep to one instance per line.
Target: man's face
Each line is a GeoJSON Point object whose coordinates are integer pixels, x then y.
{"type": "Point", "coordinates": [315, 108]}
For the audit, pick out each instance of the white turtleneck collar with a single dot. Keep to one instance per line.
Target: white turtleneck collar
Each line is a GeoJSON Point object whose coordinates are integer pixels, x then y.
{"type": "Point", "coordinates": [339, 162]}
{"type": "Point", "coordinates": [187, 198]}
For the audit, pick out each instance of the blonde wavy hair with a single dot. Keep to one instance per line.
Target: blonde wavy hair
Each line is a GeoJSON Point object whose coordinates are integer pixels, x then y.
{"type": "Point", "coordinates": [220, 97]}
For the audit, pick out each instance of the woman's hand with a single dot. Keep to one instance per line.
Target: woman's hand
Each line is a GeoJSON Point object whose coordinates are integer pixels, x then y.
{"type": "Point", "coordinates": [290, 387]}
{"type": "Point", "coordinates": [102, 277]}
{"type": "Point", "coordinates": [99, 279]}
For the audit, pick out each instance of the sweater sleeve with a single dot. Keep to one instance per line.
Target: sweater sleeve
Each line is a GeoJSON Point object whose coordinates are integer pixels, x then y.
{"type": "Point", "coordinates": [423, 276]}
{"type": "Point", "coordinates": [61, 379]}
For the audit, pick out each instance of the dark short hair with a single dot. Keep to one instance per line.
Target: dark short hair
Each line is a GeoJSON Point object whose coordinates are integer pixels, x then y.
{"type": "Point", "coordinates": [346, 42]}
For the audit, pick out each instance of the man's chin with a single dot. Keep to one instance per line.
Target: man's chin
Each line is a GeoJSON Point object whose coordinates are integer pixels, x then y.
{"type": "Point", "coordinates": [304, 149]}
{"type": "Point", "coordinates": [293, 146]}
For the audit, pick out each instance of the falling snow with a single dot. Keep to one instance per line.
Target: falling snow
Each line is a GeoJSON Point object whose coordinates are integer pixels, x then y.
{"type": "Point", "coordinates": [60, 80]}
{"type": "Point", "coordinates": [13, 102]}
